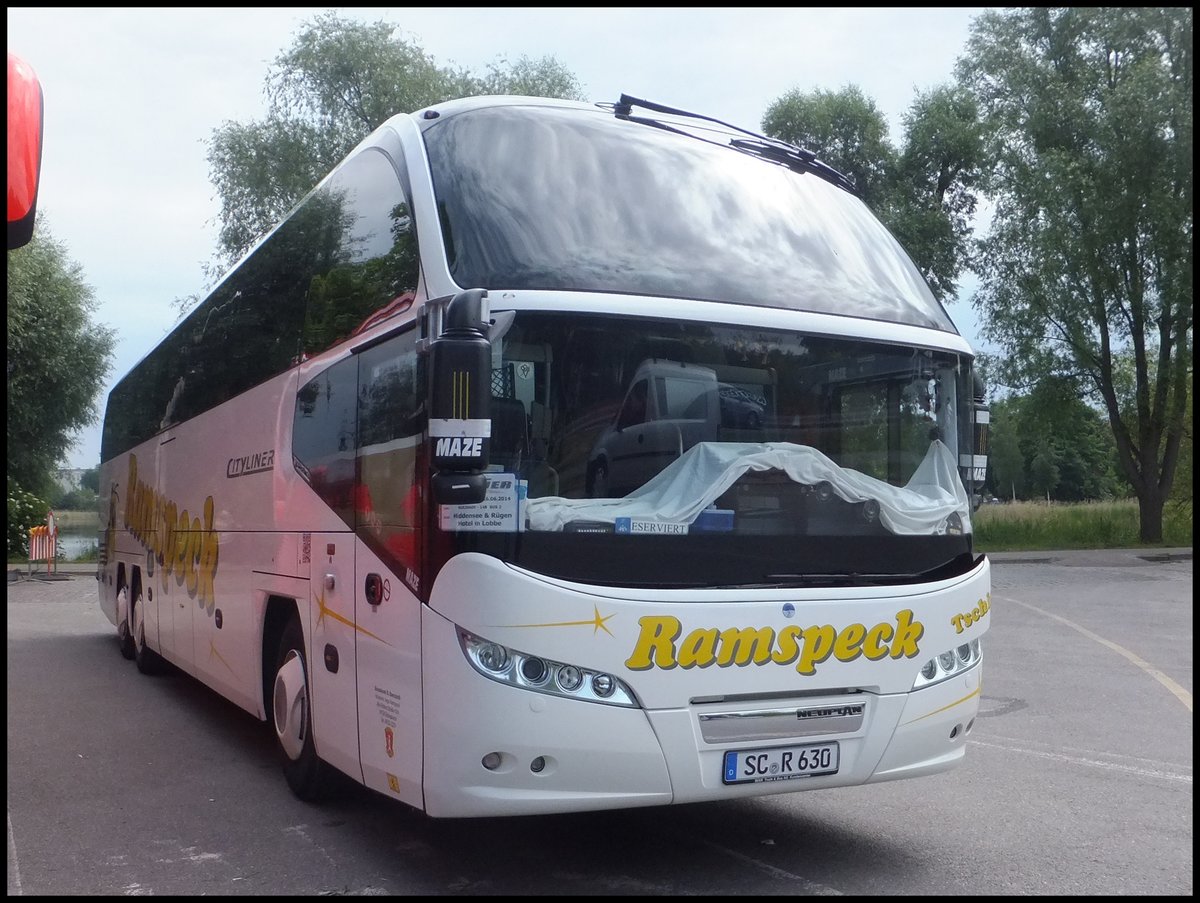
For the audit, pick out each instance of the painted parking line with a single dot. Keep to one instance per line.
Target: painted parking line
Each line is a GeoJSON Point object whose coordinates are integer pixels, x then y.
{"type": "Point", "coordinates": [1179, 692]}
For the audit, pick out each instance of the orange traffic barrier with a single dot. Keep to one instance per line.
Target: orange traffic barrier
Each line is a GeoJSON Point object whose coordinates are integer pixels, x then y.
{"type": "Point", "coordinates": [43, 544]}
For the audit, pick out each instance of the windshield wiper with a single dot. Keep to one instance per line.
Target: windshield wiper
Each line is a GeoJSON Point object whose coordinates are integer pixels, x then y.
{"type": "Point", "coordinates": [794, 158]}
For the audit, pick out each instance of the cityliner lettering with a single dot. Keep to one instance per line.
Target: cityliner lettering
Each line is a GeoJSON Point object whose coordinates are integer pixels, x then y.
{"type": "Point", "coordinates": [181, 544]}
{"type": "Point", "coordinates": [659, 645]}
{"type": "Point", "coordinates": [248, 464]}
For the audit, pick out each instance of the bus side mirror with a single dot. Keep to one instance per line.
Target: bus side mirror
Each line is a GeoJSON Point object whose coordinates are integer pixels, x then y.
{"type": "Point", "coordinates": [976, 461]}
{"type": "Point", "coordinates": [460, 391]}
{"type": "Point", "coordinates": [24, 150]}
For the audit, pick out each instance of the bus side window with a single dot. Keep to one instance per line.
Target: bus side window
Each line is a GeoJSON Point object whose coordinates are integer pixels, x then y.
{"type": "Point", "coordinates": [391, 422]}
{"type": "Point", "coordinates": [373, 269]}
{"type": "Point", "coordinates": [324, 436]}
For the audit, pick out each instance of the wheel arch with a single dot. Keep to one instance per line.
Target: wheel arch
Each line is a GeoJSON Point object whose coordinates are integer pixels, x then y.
{"type": "Point", "coordinates": [279, 610]}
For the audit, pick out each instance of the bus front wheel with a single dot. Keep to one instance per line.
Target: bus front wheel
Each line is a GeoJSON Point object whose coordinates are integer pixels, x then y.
{"type": "Point", "coordinates": [291, 714]}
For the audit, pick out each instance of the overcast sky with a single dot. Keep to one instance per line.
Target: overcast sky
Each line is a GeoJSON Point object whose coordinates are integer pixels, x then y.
{"type": "Point", "coordinates": [133, 95]}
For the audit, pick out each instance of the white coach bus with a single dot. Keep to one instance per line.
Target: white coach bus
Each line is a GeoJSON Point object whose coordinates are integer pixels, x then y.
{"type": "Point", "coordinates": [555, 457]}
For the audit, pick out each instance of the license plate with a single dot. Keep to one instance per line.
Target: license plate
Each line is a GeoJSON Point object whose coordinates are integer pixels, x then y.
{"type": "Point", "coordinates": [752, 766]}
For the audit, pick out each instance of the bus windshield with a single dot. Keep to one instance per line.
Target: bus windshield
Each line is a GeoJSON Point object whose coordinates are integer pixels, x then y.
{"type": "Point", "coordinates": [706, 454]}
{"type": "Point", "coordinates": [547, 198]}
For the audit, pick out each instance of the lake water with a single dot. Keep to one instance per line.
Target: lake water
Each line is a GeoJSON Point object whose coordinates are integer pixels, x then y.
{"type": "Point", "coordinates": [73, 545]}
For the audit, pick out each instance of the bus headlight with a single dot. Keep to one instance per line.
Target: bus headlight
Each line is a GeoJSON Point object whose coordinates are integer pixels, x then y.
{"type": "Point", "coordinates": [946, 664]}
{"type": "Point", "coordinates": [570, 678]}
{"type": "Point", "coordinates": [543, 675]}
{"type": "Point", "coordinates": [493, 657]}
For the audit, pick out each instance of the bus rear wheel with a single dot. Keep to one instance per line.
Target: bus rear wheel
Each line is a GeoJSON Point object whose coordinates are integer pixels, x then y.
{"type": "Point", "coordinates": [147, 660]}
{"type": "Point", "coordinates": [124, 631]}
{"type": "Point", "coordinates": [291, 716]}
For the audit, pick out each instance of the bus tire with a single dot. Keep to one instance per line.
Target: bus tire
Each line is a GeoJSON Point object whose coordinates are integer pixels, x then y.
{"type": "Point", "coordinates": [147, 660]}
{"type": "Point", "coordinates": [291, 717]}
{"type": "Point", "coordinates": [124, 631]}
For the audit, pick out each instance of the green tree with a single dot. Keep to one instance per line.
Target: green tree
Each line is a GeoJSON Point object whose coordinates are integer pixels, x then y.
{"type": "Point", "coordinates": [845, 129]}
{"type": "Point", "coordinates": [338, 81]}
{"type": "Point", "coordinates": [58, 358]}
{"type": "Point", "coordinates": [1044, 470]}
{"type": "Point", "coordinates": [1006, 463]}
{"type": "Point", "coordinates": [1053, 422]}
{"type": "Point", "coordinates": [25, 510]}
{"type": "Point", "coordinates": [1056, 422]}
{"type": "Point", "coordinates": [90, 480]}
{"type": "Point", "coordinates": [925, 191]}
{"type": "Point", "coordinates": [934, 185]}
{"type": "Point", "coordinates": [1181, 493]}
{"type": "Point", "coordinates": [1088, 122]}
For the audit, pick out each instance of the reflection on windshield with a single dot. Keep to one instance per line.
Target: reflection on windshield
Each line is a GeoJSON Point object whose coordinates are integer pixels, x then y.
{"type": "Point", "coordinates": [683, 497]}
{"type": "Point", "coordinates": [621, 426]}
{"type": "Point", "coordinates": [548, 198]}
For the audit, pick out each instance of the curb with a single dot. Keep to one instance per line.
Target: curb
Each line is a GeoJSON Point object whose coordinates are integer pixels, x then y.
{"type": "Point", "coordinates": [1094, 557]}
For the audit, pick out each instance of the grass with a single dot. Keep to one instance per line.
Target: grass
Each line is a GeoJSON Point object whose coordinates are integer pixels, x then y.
{"type": "Point", "coordinates": [77, 521]}
{"type": "Point", "coordinates": [1038, 526]}
{"type": "Point", "coordinates": [1009, 527]}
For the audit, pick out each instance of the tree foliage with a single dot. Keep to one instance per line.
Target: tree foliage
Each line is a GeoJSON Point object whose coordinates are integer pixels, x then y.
{"type": "Point", "coordinates": [1051, 442]}
{"type": "Point", "coordinates": [1006, 463]}
{"type": "Point", "coordinates": [58, 358]}
{"type": "Point", "coordinates": [845, 129]}
{"type": "Point", "coordinates": [924, 191]}
{"type": "Point", "coordinates": [25, 510]}
{"type": "Point", "coordinates": [90, 480]}
{"type": "Point", "coordinates": [338, 81]}
{"type": "Point", "coordinates": [1088, 263]}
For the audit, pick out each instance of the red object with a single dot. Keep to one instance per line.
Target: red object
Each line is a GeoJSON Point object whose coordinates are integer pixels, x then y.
{"type": "Point", "coordinates": [24, 149]}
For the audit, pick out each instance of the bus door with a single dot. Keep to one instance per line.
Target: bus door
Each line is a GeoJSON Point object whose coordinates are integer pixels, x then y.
{"type": "Point", "coordinates": [388, 513]}
{"type": "Point", "coordinates": [389, 677]}
{"type": "Point", "coordinates": [332, 653]}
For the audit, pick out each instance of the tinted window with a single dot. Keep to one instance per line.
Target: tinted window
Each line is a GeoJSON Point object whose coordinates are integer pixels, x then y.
{"type": "Point", "coordinates": [356, 439]}
{"type": "Point", "coordinates": [781, 456]}
{"type": "Point", "coordinates": [551, 198]}
{"type": "Point", "coordinates": [391, 418]}
{"type": "Point", "coordinates": [325, 436]}
{"type": "Point", "coordinates": [345, 259]}
{"type": "Point", "coordinates": [373, 273]}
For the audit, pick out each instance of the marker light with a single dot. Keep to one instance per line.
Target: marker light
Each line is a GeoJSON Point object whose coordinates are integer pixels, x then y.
{"type": "Point", "coordinates": [543, 675]}
{"type": "Point", "coordinates": [947, 664]}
